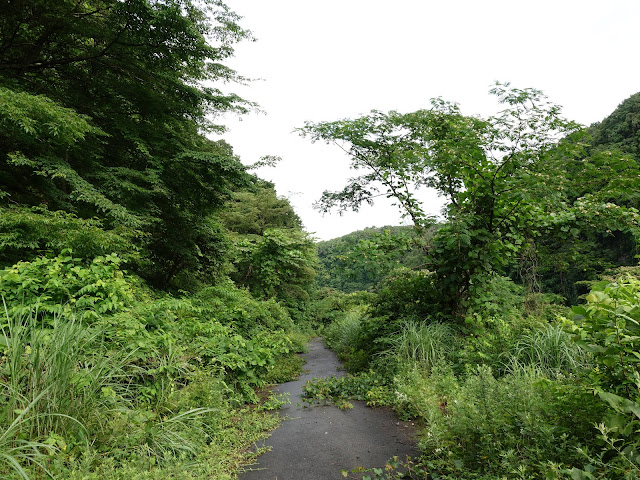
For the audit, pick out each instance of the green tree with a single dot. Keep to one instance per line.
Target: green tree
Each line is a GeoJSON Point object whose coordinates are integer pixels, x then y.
{"type": "Point", "coordinates": [493, 172]}
{"type": "Point", "coordinates": [102, 108]}
{"type": "Point", "coordinates": [252, 211]}
{"type": "Point", "coordinates": [272, 256]}
{"type": "Point", "coordinates": [279, 264]}
{"type": "Point", "coordinates": [360, 260]}
{"type": "Point", "coordinates": [621, 129]}
{"type": "Point", "coordinates": [596, 227]}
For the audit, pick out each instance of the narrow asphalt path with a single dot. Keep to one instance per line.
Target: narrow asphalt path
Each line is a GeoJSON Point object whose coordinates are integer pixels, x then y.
{"type": "Point", "coordinates": [317, 442]}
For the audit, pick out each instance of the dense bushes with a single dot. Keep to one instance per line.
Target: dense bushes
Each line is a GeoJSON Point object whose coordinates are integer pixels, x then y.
{"type": "Point", "coordinates": [51, 284]}
{"type": "Point", "coordinates": [512, 426]}
{"type": "Point", "coordinates": [98, 368]}
{"type": "Point", "coordinates": [608, 326]}
{"type": "Point", "coordinates": [509, 394]}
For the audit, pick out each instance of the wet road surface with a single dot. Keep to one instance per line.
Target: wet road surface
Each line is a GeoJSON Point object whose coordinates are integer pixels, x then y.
{"type": "Point", "coordinates": [317, 442]}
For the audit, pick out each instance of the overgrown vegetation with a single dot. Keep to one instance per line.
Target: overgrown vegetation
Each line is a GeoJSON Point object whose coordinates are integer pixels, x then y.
{"type": "Point", "coordinates": [98, 368]}
{"type": "Point", "coordinates": [143, 311]}
{"type": "Point", "coordinates": [475, 339]}
{"type": "Point", "coordinates": [152, 287]}
{"type": "Point", "coordinates": [360, 260]}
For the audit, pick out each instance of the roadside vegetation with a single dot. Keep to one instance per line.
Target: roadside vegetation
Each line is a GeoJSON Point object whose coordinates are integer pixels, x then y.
{"type": "Point", "coordinates": [103, 377]}
{"type": "Point", "coordinates": [151, 287]}
{"type": "Point", "coordinates": [510, 334]}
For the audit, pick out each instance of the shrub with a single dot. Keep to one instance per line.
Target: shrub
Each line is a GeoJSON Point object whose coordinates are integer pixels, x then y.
{"type": "Point", "coordinates": [64, 282]}
{"type": "Point", "coordinates": [494, 337]}
{"type": "Point", "coordinates": [498, 297]}
{"type": "Point", "coordinates": [328, 304]}
{"type": "Point", "coordinates": [27, 232]}
{"type": "Point", "coordinates": [499, 426]}
{"type": "Point", "coordinates": [425, 397]}
{"type": "Point", "coordinates": [608, 326]}
{"type": "Point", "coordinates": [343, 333]}
{"type": "Point", "coordinates": [233, 306]}
{"type": "Point", "coordinates": [407, 294]}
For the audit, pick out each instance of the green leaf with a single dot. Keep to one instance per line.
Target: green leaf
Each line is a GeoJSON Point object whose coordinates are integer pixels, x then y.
{"type": "Point", "coordinates": [620, 404]}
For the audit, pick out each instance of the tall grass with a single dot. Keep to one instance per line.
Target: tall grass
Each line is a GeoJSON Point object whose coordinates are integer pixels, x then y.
{"type": "Point", "coordinates": [60, 385]}
{"type": "Point", "coordinates": [423, 346]}
{"type": "Point", "coordinates": [57, 382]}
{"type": "Point", "coordinates": [507, 426]}
{"type": "Point", "coordinates": [66, 367]}
{"type": "Point", "coordinates": [16, 451]}
{"type": "Point", "coordinates": [549, 350]}
{"type": "Point", "coordinates": [343, 333]}
{"type": "Point", "coordinates": [182, 434]}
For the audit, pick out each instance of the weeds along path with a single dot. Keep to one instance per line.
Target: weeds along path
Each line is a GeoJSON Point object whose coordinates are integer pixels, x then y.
{"type": "Point", "coordinates": [317, 442]}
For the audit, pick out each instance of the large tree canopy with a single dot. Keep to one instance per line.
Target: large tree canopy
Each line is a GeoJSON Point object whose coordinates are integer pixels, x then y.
{"type": "Point", "coordinates": [272, 256]}
{"type": "Point", "coordinates": [441, 148]}
{"type": "Point", "coordinates": [504, 177]}
{"type": "Point", "coordinates": [102, 108]}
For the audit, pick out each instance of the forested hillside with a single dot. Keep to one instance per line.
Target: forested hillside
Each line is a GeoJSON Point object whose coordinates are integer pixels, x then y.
{"type": "Point", "coordinates": [151, 284]}
{"type": "Point", "coordinates": [360, 260]}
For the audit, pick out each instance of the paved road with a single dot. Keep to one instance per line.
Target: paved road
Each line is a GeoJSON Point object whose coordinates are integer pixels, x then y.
{"type": "Point", "coordinates": [315, 443]}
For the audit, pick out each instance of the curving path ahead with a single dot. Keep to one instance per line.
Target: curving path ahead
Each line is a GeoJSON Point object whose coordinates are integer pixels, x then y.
{"type": "Point", "coordinates": [315, 443]}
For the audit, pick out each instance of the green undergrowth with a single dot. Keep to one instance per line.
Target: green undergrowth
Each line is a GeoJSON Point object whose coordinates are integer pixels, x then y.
{"type": "Point", "coordinates": [286, 369]}
{"type": "Point", "coordinates": [367, 387]}
{"type": "Point", "coordinates": [103, 378]}
{"type": "Point", "coordinates": [228, 450]}
{"type": "Point", "coordinates": [508, 395]}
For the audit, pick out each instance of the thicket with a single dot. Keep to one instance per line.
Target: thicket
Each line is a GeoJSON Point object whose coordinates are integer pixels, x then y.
{"type": "Point", "coordinates": [151, 286]}
{"type": "Point", "coordinates": [98, 368]}
{"type": "Point", "coordinates": [515, 349]}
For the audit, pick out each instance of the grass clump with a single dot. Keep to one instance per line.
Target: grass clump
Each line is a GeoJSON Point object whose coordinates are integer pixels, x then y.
{"type": "Point", "coordinates": [57, 386]}
{"type": "Point", "coordinates": [343, 333]}
{"type": "Point", "coordinates": [66, 367]}
{"type": "Point", "coordinates": [548, 349]}
{"type": "Point", "coordinates": [423, 346]}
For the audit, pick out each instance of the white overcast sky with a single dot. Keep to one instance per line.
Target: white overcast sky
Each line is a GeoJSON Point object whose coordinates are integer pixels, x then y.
{"type": "Point", "coordinates": [334, 59]}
